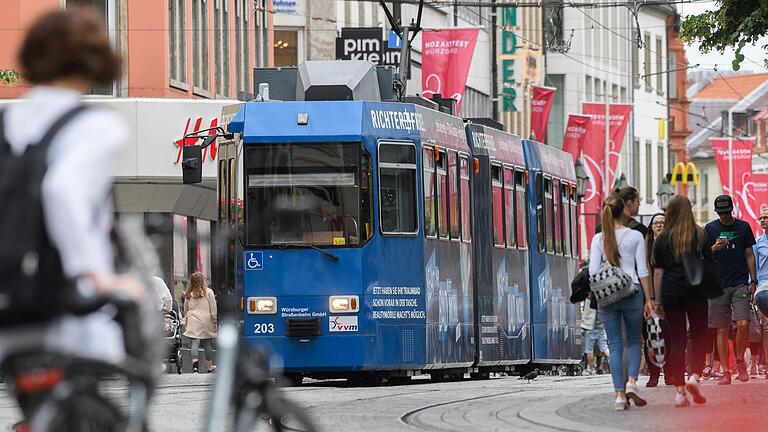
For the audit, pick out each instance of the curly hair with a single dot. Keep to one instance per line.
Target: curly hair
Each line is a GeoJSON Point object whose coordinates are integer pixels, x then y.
{"type": "Point", "coordinates": [71, 43]}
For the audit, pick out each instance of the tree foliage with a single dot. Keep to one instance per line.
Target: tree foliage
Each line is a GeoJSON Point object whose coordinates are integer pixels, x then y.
{"type": "Point", "coordinates": [733, 24]}
{"type": "Point", "coordinates": [9, 76]}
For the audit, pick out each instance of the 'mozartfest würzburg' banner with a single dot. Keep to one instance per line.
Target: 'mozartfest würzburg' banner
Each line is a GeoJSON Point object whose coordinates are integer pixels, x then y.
{"type": "Point", "coordinates": [593, 156]}
{"type": "Point", "coordinates": [745, 206]}
{"type": "Point", "coordinates": [576, 131]}
{"type": "Point", "coordinates": [541, 105]}
{"type": "Point", "coordinates": [445, 59]}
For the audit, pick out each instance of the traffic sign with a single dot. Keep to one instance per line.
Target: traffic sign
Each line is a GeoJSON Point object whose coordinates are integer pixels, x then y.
{"type": "Point", "coordinates": [254, 260]}
{"type": "Point", "coordinates": [394, 40]}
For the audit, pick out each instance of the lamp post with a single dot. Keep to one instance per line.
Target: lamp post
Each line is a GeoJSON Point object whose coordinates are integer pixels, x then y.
{"type": "Point", "coordinates": [664, 193]}
{"type": "Point", "coordinates": [620, 182]}
{"type": "Point", "coordinates": [581, 180]}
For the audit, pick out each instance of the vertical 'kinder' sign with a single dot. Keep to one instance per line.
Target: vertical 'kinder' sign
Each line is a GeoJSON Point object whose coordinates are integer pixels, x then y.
{"type": "Point", "coordinates": [445, 57]}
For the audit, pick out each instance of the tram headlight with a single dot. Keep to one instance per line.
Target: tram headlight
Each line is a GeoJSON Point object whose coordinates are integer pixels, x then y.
{"type": "Point", "coordinates": [344, 304]}
{"type": "Point", "coordinates": [262, 305]}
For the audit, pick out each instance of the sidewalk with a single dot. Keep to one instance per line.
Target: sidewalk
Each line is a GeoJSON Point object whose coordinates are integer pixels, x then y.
{"type": "Point", "coordinates": [739, 407]}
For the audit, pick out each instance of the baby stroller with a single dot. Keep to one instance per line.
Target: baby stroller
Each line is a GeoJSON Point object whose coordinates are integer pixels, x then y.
{"type": "Point", "coordinates": [172, 336]}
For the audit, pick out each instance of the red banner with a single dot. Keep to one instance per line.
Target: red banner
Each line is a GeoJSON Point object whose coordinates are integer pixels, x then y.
{"type": "Point", "coordinates": [575, 132]}
{"type": "Point", "coordinates": [445, 59]}
{"type": "Point", "coordinates": [620, 115]}
{"type": "Point", "coordinates": [760, 183]}
{"type": "Point", "coordinates": [745, 206]}
{"type": "Point", "coordinates": [541, 105]}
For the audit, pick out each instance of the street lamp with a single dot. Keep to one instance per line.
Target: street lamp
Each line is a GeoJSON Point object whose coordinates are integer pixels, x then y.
{"type": "Point", "coordinates": [620, 182]}
{"type": "Point", "coordinates": [664, 194]}
{"type": "Point", "coordinates": [581, 180]}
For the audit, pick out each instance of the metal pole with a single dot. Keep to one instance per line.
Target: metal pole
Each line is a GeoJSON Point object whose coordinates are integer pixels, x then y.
{"type": "Point", "coordinates": [606, 184]}
{"type": "Point", "coordinates": [730, 151]}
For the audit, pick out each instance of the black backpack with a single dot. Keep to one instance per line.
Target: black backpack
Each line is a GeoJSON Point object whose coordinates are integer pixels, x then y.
{"type": "Point", "coordinates": [33, 287]}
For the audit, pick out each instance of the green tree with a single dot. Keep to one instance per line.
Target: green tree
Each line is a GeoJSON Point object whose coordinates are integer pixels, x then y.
{"type": "Point", "coordinates": [9, 76]}
{"type": "Point", "coordinates": [732, 24]}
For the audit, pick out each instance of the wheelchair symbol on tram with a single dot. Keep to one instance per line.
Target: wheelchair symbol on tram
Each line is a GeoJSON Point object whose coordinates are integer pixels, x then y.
{"type": "Point", "coordinates": [254, 261]}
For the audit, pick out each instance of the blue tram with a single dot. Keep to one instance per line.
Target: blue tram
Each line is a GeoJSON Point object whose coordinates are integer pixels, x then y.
{"type": "Point", "coordinates": [390, 239]}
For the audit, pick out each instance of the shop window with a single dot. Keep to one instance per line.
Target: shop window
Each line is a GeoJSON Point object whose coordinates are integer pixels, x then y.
{"type": "Point", "coordinates": [509, 206]}
{"type": "Point", "coordinates": [465, 205]}
{"type": "Point", "coordinates": [497, 187]}
{"type": "Point", "coordinates": [397, 188]}
{"type": "Point", "coordinates": [521, 208]}
{"type": "Point", "coordinates": [430, 205]}
{"type": "Point", "coordinates": [442, 195]}
{"type": "Point", "coordinates": [286, 49]}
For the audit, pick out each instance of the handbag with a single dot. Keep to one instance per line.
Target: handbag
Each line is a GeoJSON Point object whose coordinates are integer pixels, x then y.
{"type": "Point", "coordinates": [611, 284]}
{"type": "Point", "coordinates": [702, 271]}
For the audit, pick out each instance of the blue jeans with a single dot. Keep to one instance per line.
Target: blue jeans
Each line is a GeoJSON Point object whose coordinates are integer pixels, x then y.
{"type": "Point", "coordinates": [630, 310]}
{"type": "Point", "coordinates": [761, 301]}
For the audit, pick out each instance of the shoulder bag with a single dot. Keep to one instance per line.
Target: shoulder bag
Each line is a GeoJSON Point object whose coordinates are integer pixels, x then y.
{"type": "Point", "coordinates": [701, 270]}
{"type": "Point", "coordinates": [611, 284]}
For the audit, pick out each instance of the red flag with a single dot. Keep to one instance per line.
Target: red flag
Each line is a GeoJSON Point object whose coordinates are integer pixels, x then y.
{"type": "Point", "coordinates": [445, 59]}
{"type": "Point", "coordinates": [541, 105]}
{"type": "Point", "coordinates": [592, 157]}
{"type": "Point", "coordinates": [745, 206]}
{"type": "Point", "coordinates": [760, 184]}
{"type": "Point", "coordinates": [620, 115]}
{"type": "Point", "coordinates": [576, 130]}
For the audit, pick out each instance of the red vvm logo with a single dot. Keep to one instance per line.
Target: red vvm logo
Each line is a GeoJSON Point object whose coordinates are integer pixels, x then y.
{"type": "Point", "coordinates": [183, 142]}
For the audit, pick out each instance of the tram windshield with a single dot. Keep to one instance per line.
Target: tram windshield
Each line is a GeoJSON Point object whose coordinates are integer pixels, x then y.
{"type": "Point", "coordinates": [308, 193]}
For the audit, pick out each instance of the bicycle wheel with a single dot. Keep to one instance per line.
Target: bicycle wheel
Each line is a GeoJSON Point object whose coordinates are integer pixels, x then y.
{"type": "Point", "coordinates": [82, 412]}
{"type": "Point", "coordinates": [275, 414]}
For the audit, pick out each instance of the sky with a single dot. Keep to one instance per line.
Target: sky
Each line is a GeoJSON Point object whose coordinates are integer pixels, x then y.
{"type": "Point", "coordinates": [754, 55]}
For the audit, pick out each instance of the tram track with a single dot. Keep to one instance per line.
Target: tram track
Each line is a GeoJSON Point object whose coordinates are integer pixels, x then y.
{"type": "Point", "coordinates": [411, 418]}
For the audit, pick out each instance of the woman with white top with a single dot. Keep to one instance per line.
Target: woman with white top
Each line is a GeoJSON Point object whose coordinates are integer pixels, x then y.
{"type": "Point", "coordinates": [625, 248]}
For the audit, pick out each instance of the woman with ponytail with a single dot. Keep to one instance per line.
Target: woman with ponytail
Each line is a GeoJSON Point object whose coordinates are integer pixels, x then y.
{"type": "Point", "coordinates": [623, 247]}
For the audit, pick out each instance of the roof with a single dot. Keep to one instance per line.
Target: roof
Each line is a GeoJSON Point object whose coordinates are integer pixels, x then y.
{"type": "Point", "coordinates": [731, 87]}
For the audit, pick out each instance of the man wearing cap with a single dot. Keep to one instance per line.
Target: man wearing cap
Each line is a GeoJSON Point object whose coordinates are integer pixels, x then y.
{"type": "Point", "coordinates": [731, 241]}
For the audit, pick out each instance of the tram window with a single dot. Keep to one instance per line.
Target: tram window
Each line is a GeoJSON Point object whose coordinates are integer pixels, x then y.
{"type": "Point", "coordinates": [231, 176]}
{"type": "Point", "coordinates": [442, 195]}
{"type": "Point", "coordinates": [497, 186]}
{"type": "Point", "coordinates": [540, 212]}
{"type": "Point", "coordinates": [430, 204]}
{"type": "Point", "coordinates": [549, 212]}
{"type": "Point", "coordinates": [565, 218]}
{"type": "Point", "coordinates": [509, 206]}
{"type": "Point", "coordinates": [521, 208]}
{"type": "Point", "coordinates": [466, 205]}
{"type": "Point", "coordinates": [397, 188]}
{"type": "Point", "coordinates": [366, 195]}
{"type": "Point", "coordinates": [556, 217]}
{"type": "Point", "coordinates": [453, 195]}
{"type": "Point", "coordinates": [574, 224]}
{"type": "Point", "coordinates": [305, 194]}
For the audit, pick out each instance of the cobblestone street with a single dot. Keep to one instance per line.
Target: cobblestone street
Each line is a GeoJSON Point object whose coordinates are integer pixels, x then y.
{"type": "Point", "coordinates": [499, 404]}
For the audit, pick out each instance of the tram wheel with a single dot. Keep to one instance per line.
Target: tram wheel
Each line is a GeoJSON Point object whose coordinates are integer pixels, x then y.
{"type": "Point", "coordinates": [476, 376]}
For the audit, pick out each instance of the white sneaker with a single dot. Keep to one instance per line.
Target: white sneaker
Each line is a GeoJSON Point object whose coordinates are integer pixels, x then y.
{"type": "Point", "coordinates": [681, 400]}
{"type": "Point", "coordinates": [620, 404]}
{"type": "Point", "coordinates": [694, 388]}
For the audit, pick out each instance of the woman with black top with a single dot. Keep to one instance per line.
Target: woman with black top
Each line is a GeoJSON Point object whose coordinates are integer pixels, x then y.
{"type": "Point", "coordinates": [680, 300]}
{"type": "Point", "coordinates": [655, 229]}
